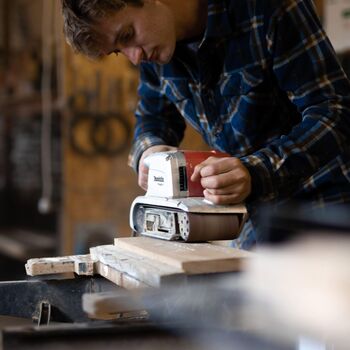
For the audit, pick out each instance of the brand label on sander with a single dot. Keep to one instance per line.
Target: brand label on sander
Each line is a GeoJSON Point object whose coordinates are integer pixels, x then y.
{"type": "Point", "coordinates": [158, 179]}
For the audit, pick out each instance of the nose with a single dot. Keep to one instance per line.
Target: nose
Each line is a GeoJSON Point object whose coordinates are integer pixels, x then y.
{"type": "Point", "coordinates": [134, 54]}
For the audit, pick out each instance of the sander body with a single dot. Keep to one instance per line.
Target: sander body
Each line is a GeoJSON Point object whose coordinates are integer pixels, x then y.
{"type": "Point", "coordinates": [174, 207]}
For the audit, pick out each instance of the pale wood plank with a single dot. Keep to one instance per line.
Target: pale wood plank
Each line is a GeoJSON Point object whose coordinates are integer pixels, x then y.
{"type": "Point", "coordinates": [144, 262]}
{"type": "Point", "coordinates": [118, 278]}
{"type": "Point", "coordinates": [79, 264]}
{"type": "Point", "coordinates": [191, 258]}
{"type": "Point", "coordinates": [138, 267]}
{"type": "Point", "coordinates": [109, 305]}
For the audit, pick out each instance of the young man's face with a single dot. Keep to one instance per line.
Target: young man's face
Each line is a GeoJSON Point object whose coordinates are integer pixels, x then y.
{"type": "Point", "coordinates": [140, 33]}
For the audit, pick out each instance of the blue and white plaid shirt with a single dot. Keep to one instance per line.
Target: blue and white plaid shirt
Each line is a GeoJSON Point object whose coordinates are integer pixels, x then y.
{"type": "Point", "coordinates": [264, 85]}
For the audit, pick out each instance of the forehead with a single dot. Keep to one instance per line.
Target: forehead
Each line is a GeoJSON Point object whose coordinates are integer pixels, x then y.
{"type": "Point", "coordinates": [108, 27]}
{"type": "Point", "coordinates": [116, 20]}
{"type": "Point", "coordinates": [111, 22]}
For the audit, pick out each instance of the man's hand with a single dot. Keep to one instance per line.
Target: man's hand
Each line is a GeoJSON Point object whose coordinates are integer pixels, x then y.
{"type": "Point", "coordinates": [225, 180]}
{"type": "Point", "coordinates": [143, 169]}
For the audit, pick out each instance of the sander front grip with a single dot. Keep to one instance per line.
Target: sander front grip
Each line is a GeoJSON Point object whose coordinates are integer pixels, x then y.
{"type": "Point", "coordinates": [211, 227]}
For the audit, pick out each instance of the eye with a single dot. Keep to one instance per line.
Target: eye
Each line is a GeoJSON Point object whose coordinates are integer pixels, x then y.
{"type": "Point", "coordinates": [126, 35]}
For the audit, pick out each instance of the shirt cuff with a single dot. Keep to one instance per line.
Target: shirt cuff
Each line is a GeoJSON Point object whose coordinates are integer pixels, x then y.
{"type": "Point", "coordinates": [139, 146]}
{"type": "Point", "coordinates": [262, 179]}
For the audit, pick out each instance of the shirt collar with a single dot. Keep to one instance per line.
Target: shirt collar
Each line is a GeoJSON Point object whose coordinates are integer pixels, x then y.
{"type": "Point", "coordinates": [219, 23]}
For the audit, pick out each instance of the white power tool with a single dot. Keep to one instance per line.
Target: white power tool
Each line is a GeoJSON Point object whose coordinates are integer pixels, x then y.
{"type": "Point", "coordinates": [174, 207]}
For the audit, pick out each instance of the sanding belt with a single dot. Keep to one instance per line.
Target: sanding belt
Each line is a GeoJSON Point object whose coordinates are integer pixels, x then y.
{"type": "Point", "coordinates": [195, 227]}
{"type": "Point", "coordinates": [200, 227]}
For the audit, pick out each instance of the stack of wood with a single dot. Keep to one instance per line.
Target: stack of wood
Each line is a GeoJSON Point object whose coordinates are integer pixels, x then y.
{"type": "Point", "coordinates": [136, 262]}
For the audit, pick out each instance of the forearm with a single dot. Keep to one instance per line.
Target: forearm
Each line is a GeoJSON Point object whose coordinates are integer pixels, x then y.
{"type": "Point", "coordinates": [282, 167]}
{"type": "Point", "coordinates": [306, 69]}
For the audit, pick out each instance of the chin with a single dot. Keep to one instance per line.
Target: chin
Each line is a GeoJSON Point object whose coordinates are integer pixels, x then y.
{"type": "Point", "coordinates": [162, 62]}
{"type": "Point", "coordinates": [166, 57]}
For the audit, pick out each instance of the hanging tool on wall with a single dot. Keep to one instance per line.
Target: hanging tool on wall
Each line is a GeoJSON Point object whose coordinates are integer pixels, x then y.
{"type": "Point", "coordinates": [99, 133]}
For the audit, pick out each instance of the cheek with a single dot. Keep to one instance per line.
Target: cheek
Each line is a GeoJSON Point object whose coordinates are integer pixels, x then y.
{"type": "Point", "coordinates": [160, 32]}
{"type": "Point", "coordinates": [163, 28]}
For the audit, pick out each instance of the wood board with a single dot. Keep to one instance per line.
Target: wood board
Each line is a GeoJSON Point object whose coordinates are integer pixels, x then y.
{"type": "Point", "coordinates": [139, 262]}
{"type": "Point", "coordinates": [133, 266]}
{"type": "Point", "coordinates": [191, 258]}
{"type": "Point", "coordinates": [79, 264]}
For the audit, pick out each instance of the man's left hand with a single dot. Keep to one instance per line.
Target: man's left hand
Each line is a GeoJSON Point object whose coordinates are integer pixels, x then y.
{"type": "Point", "coordinates": [225, 180]}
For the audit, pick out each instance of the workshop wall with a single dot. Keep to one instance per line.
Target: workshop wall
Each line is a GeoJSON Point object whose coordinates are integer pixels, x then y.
{"type": "Point", "coordinates": [24, 231]}
{"type": "Point", "coordinates": [98, 185]}
{"type": "Point", "coordinates": [20, 110]}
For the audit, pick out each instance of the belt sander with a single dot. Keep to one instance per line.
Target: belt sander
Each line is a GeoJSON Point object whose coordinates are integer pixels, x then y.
{"type": "Point", "coordinates": [174, 207]}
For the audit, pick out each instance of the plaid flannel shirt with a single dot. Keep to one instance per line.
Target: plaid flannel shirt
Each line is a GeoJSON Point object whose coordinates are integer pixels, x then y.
{"type": "Point", "coordinates": [264, 85]}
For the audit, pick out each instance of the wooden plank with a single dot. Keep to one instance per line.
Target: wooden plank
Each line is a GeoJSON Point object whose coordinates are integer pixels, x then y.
{"type": "Point", "coordinates": [117, 277]}
{"type": "Point", "coordinates": [123, 268]}
{"type": "Point", "coordinates": [79, 264]}
{"type": "Point", "coordinates": [83, 265]}
{"type": "Point", "coordinates": [111, 306]}
{"type": "Point", "coordinates": [140, 262]}
{"type": "Point", "coordinates": [191, 258]}
{"type": "Point", "coordinates": [136, 266]}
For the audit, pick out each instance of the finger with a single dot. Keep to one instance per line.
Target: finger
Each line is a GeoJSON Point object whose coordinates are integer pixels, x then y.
{"type": "Point", "coordinates": [143, 176]}
{"type": "Point", "coordinates": [216, 166]}
{"type": "Point", "coordinates": [143, 168]}
{"type": "Point", "coordinates": [197, 172]}
{"type": "Point", "coordinates": [233, 198]}
{"type": "Point", "coordinates": [143, 182]}
{"type": "Point", "coordinates": [237, 188]}
{"type": "Point", "coordinates": [225, 180]}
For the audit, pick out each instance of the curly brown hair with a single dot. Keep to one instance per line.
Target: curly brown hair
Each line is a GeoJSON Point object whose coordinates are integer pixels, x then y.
{"type": "Point", "coordinates": [79, 18]}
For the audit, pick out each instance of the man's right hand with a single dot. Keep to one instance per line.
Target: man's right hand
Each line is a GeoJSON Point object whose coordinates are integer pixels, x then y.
{"type": "Point", "coordinates": [143, 169]}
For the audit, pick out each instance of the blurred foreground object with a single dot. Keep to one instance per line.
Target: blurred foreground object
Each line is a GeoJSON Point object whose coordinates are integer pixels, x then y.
{"type": "Point", "coordinates": [306, 286]}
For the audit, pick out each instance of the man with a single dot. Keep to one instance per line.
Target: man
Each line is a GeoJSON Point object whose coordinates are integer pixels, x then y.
{"type": "Point", "coordinates": [258, 79]}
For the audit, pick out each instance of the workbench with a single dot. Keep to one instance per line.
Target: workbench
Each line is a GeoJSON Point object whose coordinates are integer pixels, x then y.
{"type": "Point", "coordinates": [138, 293]}
{"type": "Point", "coordinates": [110, 279]}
